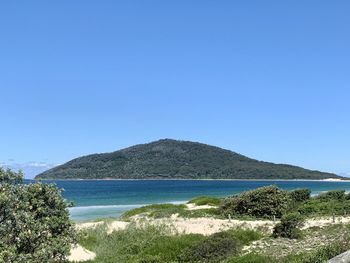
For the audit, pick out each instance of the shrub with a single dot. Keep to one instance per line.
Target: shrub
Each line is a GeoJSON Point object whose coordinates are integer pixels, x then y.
{"type": "Point", "coordinates": [289, 226]}
{"type": "Point", "coordinates": [34, 221]}
{"type": "Point", "coordinates": [300, 195]}
{"type": "Point", "coordinates": [330, 203]}
{"type": "Point", "coordinates": [264, 202]}
{"type": "Point", "coordinates": [332, 195]}
{"type": "Point", "coordinates": [245, 236]}
{"type": "Point", "coordinates": [215, 248]}
{"type": "Point", "coordinates": [205, 200]}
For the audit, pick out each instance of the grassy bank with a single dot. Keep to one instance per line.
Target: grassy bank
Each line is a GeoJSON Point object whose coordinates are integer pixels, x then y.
{"type": "Point", "coordinates": [156, 244]}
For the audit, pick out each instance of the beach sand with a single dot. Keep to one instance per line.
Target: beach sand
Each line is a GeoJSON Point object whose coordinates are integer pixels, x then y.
{"type": "Point", "coordinates": [79, 254]}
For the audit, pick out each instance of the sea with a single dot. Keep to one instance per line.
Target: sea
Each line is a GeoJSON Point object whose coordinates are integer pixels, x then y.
{"type": "Point", "coordinates": [95, 199]}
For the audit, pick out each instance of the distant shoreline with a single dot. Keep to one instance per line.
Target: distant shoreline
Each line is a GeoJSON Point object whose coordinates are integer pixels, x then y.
{"type": "Point", "coordinates": [189, 179]}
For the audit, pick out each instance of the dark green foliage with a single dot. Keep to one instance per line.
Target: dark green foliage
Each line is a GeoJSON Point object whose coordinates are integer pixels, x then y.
{"type": "Point", "coordinates": [289, 226]}
{"type": "Point", "coordinates": [300, 195]}
{"type": "Point", "coordinates": [215, 248]}
{"type": "Point", "coordinates": [333, 202]}
{"type": "Point", "coordinates": [338, 195]}
{"type": "Point", "coordinates": [264, 202]}
{"type": "Point", "coordinates": [205, 200]}
{"type": "Point", "coordinates": [166, 159]}
{"type": "Point", "coordinates": [10, 177]}
{"type": "Point", "coordinates": [34, 221]}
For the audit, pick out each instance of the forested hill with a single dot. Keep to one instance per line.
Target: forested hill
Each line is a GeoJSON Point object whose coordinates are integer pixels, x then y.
{"type": "Point", "coordinates": [172, 159]}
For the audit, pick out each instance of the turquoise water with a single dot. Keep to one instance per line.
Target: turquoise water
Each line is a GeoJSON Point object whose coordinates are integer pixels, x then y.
{"type": "Point", "coordinates": [110, 198]}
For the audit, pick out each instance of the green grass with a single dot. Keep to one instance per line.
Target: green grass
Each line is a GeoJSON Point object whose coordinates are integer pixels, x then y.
{"type": "Point", "coordinates": [122, 246]}
{"type": "Point", "coordinates": [91, 237]}
{"type": "Point", "coordinates": [167, 248]}
{"type": "Point", "coordinates": [155, 211]}
{"type": "Point", "coordinates": [158, 244]}
{"type": "Point", "coordinates": [205, 200]}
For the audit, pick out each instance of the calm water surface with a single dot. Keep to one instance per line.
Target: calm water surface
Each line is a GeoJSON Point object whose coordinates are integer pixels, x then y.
{"type": "Point", "coordinates": [101, 198]}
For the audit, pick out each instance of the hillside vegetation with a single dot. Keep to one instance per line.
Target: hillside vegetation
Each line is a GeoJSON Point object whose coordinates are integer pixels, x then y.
{"type": "Point", "coordinates": [172, 159]}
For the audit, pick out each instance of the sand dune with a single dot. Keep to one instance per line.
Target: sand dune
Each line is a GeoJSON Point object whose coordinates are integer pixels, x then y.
{"type": "Point", "coordinates": [79, 254]}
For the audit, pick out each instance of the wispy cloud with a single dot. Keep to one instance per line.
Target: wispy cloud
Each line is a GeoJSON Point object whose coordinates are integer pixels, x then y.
{"type": "Point", "coordinates": [30, 169]}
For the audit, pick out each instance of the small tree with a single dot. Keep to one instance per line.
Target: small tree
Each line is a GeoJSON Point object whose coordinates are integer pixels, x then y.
{"type": "Point", "coordinates": [289, 226]}
{"type": "Point", "coordinates": [34, 221]}
{"type": "Point", "coordinates": [337, 195]}
{"type": "Point", "coordinates": [266, 202]}
{"type": "Point", "coordinates": [300, 195]}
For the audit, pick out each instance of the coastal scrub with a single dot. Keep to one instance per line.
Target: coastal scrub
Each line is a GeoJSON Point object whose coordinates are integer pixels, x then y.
{"type": "Point", "coordinates": [34, 221]}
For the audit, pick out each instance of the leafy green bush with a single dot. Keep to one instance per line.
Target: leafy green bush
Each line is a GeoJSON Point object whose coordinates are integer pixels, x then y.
{"type": "Point", "coordinates": [205, 200]}
{"type": "Point", "coordinates": [167, 248]}
{"type": "Point", "coordinates": [215, 248]}
{"type": "Point", "coordinates": [264, 202]}
{"type": "Point", "coordinates": [289, 226]}
{"type": "Point", "coordinates": [332, 195]}
{"type": "Point", "coordinates": [34, 221]}
{"type": "Point", "coordinates": [300, 195]}
{"type": "Point", "coordinates": [326, 204]}
{"type": "Point", "coordinates": [158, 244]}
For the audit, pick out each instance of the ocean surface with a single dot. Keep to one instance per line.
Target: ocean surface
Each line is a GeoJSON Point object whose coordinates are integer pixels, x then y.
{"type": "Point", "coordinates": [110, 198]}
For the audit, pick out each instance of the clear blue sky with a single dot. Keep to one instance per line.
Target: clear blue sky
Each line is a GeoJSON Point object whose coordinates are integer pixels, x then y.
{"type": "Point", "coordinates": [268, 79]}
